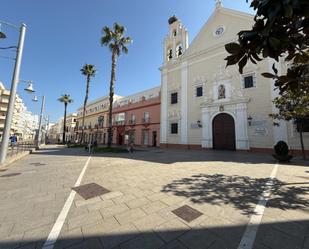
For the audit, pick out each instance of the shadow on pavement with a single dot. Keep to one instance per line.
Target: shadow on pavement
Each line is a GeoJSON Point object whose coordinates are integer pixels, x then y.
{"type": "Point", "coordinates": [169, 156]}
{"type": "Point", "coordinates": [242, 192]}
{"type": "Point", "coordinates": [278, 235]}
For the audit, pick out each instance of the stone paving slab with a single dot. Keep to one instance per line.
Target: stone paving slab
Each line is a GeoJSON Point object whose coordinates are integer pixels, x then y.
{"type": "Point", "coordinates": [145, 189]}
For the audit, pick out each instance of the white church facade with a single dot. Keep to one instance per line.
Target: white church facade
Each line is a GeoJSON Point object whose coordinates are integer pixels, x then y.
{"type": "Point", "coordinates": [206, 105]}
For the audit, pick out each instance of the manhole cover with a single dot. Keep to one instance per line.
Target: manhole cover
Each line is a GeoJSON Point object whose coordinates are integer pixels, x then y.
{"type": "Point", "coordinates": [187, 213]}
{"type": "Point", "coordinates": [10, 175]}
{"type": "Point", "coordinates": [90, 190]}
{"type": "Point", "coordinates": [37, 164]}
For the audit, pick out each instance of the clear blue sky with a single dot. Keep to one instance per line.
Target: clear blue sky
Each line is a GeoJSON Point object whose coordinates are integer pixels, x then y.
{"type": "Point", "coordinates": [62, 35]}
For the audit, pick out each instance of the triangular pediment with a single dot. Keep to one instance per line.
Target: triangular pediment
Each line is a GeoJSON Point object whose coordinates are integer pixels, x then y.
{"type": "Point", "coordinates": [230, 21]}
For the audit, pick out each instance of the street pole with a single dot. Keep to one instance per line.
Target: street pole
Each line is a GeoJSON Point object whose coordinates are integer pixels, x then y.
{"type": "Point", "coordinates": [38, 141]}
{"type": "Point", "coordinates": [47, 130]}
{"type": "Point", "coordinates": [11, 105]}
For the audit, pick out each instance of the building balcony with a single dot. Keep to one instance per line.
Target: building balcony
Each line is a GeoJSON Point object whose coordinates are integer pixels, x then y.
{"type": "Point", "coordinates": [132, 122]}
{"type": "Point", "coordinates": [6, 92]}
{"type": "Point", "coordinates": [145, 120]}
{"type": "Point", "coordinates": [4, 100]}
{"type": "Point", "coordinates": [3, 109]}
{"type": "Point", "coordinates": [119, 123]}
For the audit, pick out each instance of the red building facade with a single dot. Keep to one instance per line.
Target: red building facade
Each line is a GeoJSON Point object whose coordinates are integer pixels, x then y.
{"type": "Point", "coordinates": [137, 119]}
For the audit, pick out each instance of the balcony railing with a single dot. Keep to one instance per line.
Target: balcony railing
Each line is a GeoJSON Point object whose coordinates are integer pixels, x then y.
{"type": "Point", "coordinates": [3, 109]}
{"type": "Point", "coordinates": [145, 120]}
{"type": "Point", "coordinates": [119, 122]}
{"type": "Point", "coordinates": [132, 122]}
{"type": "Point", "coordinates": [20, 147]}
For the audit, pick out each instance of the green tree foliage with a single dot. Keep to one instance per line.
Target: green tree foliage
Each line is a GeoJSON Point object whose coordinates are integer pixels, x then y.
{"type": "Point", "coordinates": [66, 99]}
{"type": "Point", "coordinates": [293, 105]}
{"type": "Point", "coordinates": [281, 28]}
{"type": "Point", "coordinates": [117, 43]}
{"type": "Point", "coordinates": [89, 71]}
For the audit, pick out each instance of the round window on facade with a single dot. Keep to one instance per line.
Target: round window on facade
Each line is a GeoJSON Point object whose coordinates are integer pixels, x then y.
{"type": "Point", "coordinates": [219, 31]}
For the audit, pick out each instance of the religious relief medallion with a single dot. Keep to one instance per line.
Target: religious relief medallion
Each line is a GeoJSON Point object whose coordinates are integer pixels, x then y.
{"type": "Point", "coordinates": [219, 31]}
{"type": "Point", "coordinates": [221, 108]}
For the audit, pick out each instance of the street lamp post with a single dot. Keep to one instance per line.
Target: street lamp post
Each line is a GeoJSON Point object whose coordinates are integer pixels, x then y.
{"type": "Point", "coordinates": [38, 136]}
{"type": "Point", "coordinates": [10, 110]}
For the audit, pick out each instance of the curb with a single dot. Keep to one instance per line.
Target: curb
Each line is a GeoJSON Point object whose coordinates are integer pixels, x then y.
{"type": "Point", "coordinates": [15, 158]}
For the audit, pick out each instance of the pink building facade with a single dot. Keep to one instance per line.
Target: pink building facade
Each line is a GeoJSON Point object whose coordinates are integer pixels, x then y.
{"type": "Point", "coordinates": [137, 119]}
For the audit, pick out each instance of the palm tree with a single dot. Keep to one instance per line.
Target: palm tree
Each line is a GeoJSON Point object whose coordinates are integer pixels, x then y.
{"type": "Point", "coordinates": [89, 71]}
{"type": "Point", "coordinates": [116, 42]}
{"type": "Point", "coordinates": [66, 99]}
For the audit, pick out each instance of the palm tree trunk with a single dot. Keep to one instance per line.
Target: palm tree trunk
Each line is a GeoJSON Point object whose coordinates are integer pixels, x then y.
{"type": "Point", "coordinates": [111, 99]}
{"type": "Point", "coordinates": [301, 139]}
{"type": "Point", "coordinates": [84, 109]}
{"type": "Point", "coordinates": [64, 122]}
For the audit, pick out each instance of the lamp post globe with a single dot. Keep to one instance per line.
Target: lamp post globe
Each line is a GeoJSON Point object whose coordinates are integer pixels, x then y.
{"type": "Point", "coordinates": [29, 88]}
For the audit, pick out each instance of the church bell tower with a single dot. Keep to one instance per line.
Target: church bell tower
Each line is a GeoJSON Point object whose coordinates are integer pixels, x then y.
{"type": "Point", "coordinates": [176, 42]}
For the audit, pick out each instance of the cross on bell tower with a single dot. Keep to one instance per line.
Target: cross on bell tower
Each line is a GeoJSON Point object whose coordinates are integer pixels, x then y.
{"type": "Point", "coordinates": [219, 4]}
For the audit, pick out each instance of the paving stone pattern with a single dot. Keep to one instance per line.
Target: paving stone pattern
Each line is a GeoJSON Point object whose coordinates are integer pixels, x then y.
{"type": "Point", "coordinates": [145, 188]}
{"type": "Point", "coordinates": [187, 213]}
{"type": "Point", "coordinates": [90, 190]}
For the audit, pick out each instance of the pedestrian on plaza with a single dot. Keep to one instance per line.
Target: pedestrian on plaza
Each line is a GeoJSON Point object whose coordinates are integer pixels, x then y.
{"type": "Point", "coordinates": [131, 148]}
{"type": "Point", "coordinates": [13, 140]}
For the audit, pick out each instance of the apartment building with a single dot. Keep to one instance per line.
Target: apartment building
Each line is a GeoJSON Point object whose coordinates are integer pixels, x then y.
{"type": "Point", "coordinates": [24, 123]}
{"type": "Point", "coordinates": [54, 133]}
{"type": "Point", "coordinates": [70, 131]}
{"type": "Point", "coordinates": [96, 120]}
{"type": "Point", "coordinates": [136, 119]}
{"type": "Point", "coordinates": [4, 100]}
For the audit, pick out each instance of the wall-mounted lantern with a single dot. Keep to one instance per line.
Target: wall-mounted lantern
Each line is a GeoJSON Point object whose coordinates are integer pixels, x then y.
{"type": "Point", "coordinates": [199, 123]}
{"type": "Point", "coordinates": [249, 120]}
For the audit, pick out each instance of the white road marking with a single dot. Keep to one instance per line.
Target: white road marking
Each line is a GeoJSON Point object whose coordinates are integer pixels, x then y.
{"type": "Point", "coordinates": [54, 233]}
{"type": "Point", "coordinates": [248, 238]}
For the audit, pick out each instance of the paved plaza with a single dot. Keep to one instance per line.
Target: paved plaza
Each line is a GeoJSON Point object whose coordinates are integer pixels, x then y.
{"type": "Point", "coordinates": [141, 192]}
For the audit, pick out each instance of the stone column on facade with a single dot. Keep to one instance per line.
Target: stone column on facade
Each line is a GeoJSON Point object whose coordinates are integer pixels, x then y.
{"type": "Point", "coordinates": [241, 127]}
{"type": "Point", "coordinates": [164, 108]}
{"type": "Point", "coordinates": [165, 51]}
{"type": "Point", "coordinates": [184, 103]}
{"type": "Point", "coordinates": [174, 48]}
{"type": "Point", "coordinates": [207, 129]}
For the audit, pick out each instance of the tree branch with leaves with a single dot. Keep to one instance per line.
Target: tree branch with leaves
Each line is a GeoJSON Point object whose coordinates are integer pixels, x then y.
{"type": "Point", "coordinates": [281, 29]}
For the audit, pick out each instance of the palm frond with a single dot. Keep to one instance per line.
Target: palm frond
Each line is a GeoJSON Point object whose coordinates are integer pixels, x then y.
{"type": "Point", "coordinates": [112, 47]}
{"type": "Point", "coordinates": [119, 29]}
{"type": "Point", "coordinates": [126, 40]}
{"type": "Point", "coordinates": [105, 40]}
{"type": "Point", "coordinates": [106, 30]}
{"type": "Point", "coordinates": [124, 49]}
{"type": "Point", "coordinates": [88, 70]}
{"type": "Point", "coordinates": [114, 39]}
{"type": "Point", "coordinates": [65, 98]}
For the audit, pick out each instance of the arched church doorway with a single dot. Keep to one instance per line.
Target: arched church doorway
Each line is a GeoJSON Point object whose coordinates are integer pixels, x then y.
{"type": "Point", "coordinates": [223, 132]}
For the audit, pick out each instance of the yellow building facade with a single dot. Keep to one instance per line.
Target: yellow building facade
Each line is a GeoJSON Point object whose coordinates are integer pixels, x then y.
{"type": "Point", "coordinates": [206, 105]}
